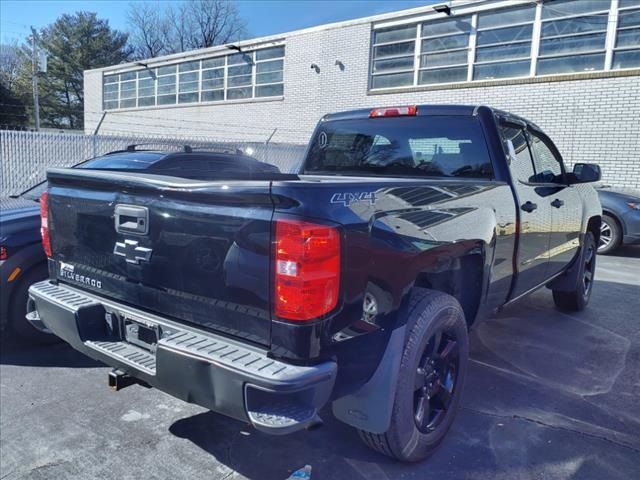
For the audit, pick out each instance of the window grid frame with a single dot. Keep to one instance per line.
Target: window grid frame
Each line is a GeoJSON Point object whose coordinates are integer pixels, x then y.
{"type": "Point", "coordinates": [583, 53]}
{"type": "Point", "coordinates": [618, 29]}
{"type": "Point", "coordinates": [504, 44]}
{"type": "Point", "coordinates": [267, 84]}
{"type": "Point", "coordinates": [417, 55]}
{"type": "Point", "coordinates": [609, 49]}
{"type": "Point", "coordinates": [413, 69]}
{"type": "Point", "coordinates": [115, 79]}
{"type": "Point", "coordinates": [138, 97]}
{"type": "Point", "coordinates": [421, 39]}
{"type": "Point", "coordinates": [615, 49]}
{"type": "Point", "coordinates": [202, 90]}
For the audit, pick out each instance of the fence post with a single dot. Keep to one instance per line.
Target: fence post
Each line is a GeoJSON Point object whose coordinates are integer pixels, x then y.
{"type": "Point", "coordinates": [266, 145]}
{"type": "Point", "coordinates": [95, 133]}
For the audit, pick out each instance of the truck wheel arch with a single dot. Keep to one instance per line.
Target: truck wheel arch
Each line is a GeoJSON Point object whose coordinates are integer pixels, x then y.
{"type": "Point", "coordinates": [27, 259]}
{"type": "Point", "coordinates": [465, 280]}
{"type": "Point", "coordinates": [463, 277]}
{"type": "Point", "coordinates": [593, 225]}
{"type": "Point", "coordinates": [567, 281]}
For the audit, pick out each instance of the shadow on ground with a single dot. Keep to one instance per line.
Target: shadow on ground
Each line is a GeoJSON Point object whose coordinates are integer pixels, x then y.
{"type": "Point", "coordinates": [14, 351]}
{"type": "Point", "coordinates": [548, 395]}
{"type": "Point", "coordinates": [629, 251]}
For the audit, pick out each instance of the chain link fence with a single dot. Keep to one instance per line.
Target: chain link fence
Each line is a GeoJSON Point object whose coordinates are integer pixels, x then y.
{"type": "Point", "coordinates": [25, 156]}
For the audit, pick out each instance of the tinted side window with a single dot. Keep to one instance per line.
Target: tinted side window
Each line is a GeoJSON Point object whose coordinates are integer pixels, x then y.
{"type": "Point", "coordinates": [521, 165]}
{"type": "Point", "coordinates": [548, 167]}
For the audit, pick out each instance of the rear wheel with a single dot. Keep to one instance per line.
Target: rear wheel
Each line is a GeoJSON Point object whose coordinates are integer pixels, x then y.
{"type": "Point", "coordinates": [18, 309]}
{"type": "Point", "coordinates": [432, 372]}
{"type": "Point", "coordinates": [577, 299]}
{"type": "Point", "coordinates": [610, 235]}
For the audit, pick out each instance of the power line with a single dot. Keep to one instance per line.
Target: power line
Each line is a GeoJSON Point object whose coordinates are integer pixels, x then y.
{"type": "Point", "coordinates": [115, 114]}
{"type": "Point", "coordinates": [18, 24]}
{"type": "Point", "coordinates": [14, 32]}
{"type": "Point", "coordinates": [202, 128]}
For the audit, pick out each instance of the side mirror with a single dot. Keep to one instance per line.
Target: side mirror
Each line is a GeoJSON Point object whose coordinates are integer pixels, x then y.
{"type": "Point", "coordinates": [586, 173]}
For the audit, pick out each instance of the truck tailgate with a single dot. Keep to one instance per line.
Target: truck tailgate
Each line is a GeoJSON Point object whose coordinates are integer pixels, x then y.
{"type": "Point", "coordinates": [194, 251]}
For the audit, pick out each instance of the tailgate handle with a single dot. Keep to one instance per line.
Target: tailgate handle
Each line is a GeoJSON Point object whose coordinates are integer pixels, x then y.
{"type": "Point", "coordinates": [132, 219]}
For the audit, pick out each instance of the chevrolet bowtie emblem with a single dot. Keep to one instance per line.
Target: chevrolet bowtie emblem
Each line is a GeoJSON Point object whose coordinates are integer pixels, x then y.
{"type": "Point", "coordinates": [133, 253]}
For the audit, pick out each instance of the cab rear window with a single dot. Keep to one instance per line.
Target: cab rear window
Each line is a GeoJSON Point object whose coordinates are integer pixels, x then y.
{"type": "Point", "coordinates": [441, 146]}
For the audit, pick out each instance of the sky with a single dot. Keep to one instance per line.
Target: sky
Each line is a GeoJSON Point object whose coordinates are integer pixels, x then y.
{"type": "Point", "coordinates": [263, 17]}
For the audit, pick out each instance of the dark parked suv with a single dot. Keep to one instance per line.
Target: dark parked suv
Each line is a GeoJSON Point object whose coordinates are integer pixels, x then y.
{"type": "Point", "coordinates": [620, 218]}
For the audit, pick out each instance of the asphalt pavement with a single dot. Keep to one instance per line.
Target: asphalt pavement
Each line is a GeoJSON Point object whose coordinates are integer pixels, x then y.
{"type": "Point", "coordinates": [548, 396]}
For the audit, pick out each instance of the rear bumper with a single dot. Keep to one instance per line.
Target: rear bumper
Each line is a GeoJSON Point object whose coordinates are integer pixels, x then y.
{"type": "Point", "coordinates": [224, 375]}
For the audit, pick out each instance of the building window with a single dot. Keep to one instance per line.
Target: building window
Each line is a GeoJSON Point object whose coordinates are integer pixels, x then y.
{"type": "Point", "coordinates": [212, 86]}
{"type": "Point", "coordinates": [239, 73]}
{"type": "Point", "coordinates": [110, 89]}
{"type": "Point", "coordinates": [166, 80]}
{"type": "Point", "coordinates": [503, 43]}
{"type": "Point", "coordinates": [269, 72]}
{"type": "Point", "coordinates": [128, 90]}
{"type": "Point", "coordinates": [146, 88]}
{"type": "Point", "coordinates": [626, 53]}
{"type": "Point", "coordinates": [188, 81]}
{"type": "Point", "coordinates": [545, 37]}
{"type": "Point", "coordinates": [573, 36]}
{"type": "Point", "coordinates": [444, 51]}
{"type": "Point", "coordinates": [393, 57]}
{"type": "Point", "coordinates": [253, 74]}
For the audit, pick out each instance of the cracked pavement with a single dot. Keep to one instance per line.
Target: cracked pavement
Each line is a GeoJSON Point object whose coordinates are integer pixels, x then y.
{"type": "Point", "coordinates": [548, 396]}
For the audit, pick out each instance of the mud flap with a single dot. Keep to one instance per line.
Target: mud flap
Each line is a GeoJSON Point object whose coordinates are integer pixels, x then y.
{"type": "Point", "coordinates": [568, 281]}
{"type": "Point", "coordinates": [370, 407]}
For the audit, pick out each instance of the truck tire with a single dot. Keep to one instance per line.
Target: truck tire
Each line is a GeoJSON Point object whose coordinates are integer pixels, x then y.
{"type": "Point", "coordinates": [610, 235]}
{"type": "Point", "coordinates": [430, 381]}
{"type": "Point", "coordinates": [18, 308]}
{"type": "Point", "coordinates": [577, 299]}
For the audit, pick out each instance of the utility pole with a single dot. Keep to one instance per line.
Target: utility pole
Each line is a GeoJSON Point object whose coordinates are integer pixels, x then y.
{"type": "Point", "coordinates": [35, 68]}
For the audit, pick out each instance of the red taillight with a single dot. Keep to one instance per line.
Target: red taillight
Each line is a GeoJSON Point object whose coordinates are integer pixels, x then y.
{"type": "Point", "coordinates": [408, 111]}
{"type": "Point", "coordinates": [3, 253]}
{"type": "Point", "coordinates": [307, 269]}
{"type": "Point", "coordinates": [44, 222]}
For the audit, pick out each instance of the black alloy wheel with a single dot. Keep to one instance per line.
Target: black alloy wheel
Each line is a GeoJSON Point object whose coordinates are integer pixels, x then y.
{"type": "Point", "coordinates": [577, 298]}
{"type": "Point", "coordinates": [430, 379]}
{"type": "Point", "coordinates": [589, 269]}
{"type": "Point", "coordinates": [435, 380]}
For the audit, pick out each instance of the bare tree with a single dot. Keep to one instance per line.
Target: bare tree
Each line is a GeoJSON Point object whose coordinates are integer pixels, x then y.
{"type": "Point", "coordinates": [186, 26]}
{"type": "Point", "coordinates": [214, 22]}
{"type": "Point", "coordinates": [13, 59]}
{"type": "Point", "coordinates": [180, 35]}
{"type": "Point", "coordinates": [150, 32]}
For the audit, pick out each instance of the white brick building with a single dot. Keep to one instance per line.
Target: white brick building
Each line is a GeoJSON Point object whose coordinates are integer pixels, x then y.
{"type": "Point", "coordinates": [571, 66]}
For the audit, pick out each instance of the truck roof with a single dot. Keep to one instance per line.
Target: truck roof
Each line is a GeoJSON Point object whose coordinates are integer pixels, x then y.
{"type": "Point", "coordinates": [465, 110]}
{"type": "Point", "coordinates": [432, 110]}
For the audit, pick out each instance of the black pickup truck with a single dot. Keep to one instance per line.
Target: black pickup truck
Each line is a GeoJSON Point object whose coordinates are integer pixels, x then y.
{"type": "Point", "coordinates": [266, 296]}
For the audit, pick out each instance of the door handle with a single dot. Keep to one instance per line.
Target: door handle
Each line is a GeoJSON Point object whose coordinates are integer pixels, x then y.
{"type": "Point", "coordinates": [557, 203]}
{"type": "Point", "coordinates": [529, 207]}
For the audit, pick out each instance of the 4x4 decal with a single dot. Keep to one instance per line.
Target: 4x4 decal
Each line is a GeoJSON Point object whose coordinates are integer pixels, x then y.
{"type": "Point", "coordinates": [349, 198]}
